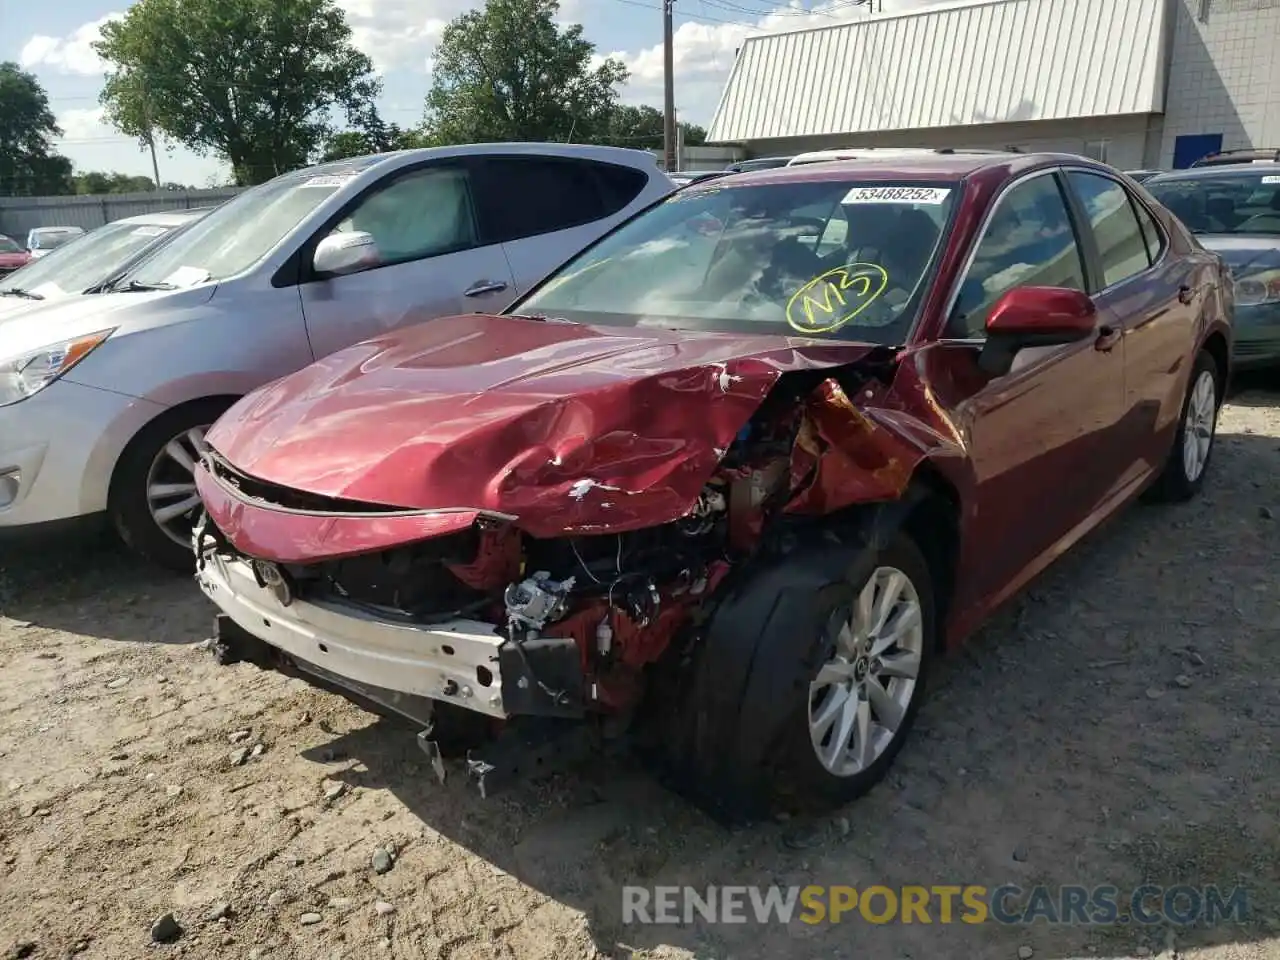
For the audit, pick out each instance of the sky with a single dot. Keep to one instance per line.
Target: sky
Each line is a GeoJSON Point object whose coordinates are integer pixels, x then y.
{"type": "Point", "coordinates": [52, 40]}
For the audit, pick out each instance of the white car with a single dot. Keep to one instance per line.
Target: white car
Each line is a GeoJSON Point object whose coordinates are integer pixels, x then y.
{"type": "Point", "coordinates": [42, 240]}
{"type": "Point", "coordinates": [104, 400]}
{"type": "Point", "coordinates": [91, 265]}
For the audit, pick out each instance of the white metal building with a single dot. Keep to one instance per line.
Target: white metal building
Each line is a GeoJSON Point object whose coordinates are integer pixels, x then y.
{"type": "Point", "coordinates": [1136, 83]}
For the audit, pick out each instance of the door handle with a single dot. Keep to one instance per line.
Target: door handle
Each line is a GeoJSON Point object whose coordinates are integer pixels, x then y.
{"type": "Point", "coordinates": [1186, 294]}
{"type": "Point", "coordinates": [1108, 337]}
{"type": "Point", "coordinates": [481, 287]}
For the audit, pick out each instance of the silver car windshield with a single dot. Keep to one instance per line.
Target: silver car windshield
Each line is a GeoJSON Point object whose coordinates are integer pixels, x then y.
{"type": "Point", "coordinates": [97, 256]}
{"type": "Point", "coordinates": [1232, 203]}
{"type": "Point", "coordinates": [238, 234]}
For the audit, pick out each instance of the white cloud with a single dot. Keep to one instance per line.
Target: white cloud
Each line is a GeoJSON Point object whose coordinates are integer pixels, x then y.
{"type": "Point", "coordinates": [72, 53]}
{"type": "Point", "coordinates": [399, 33]}
{"type": "Point", "coordinates": [85, 124]}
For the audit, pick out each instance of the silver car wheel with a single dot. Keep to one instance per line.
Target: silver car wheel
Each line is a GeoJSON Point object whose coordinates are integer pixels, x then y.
{"type": "Point", "coordinates": [860, 697]}
{"type": "Point", "coordinates": [171, 484]}
{"type": "Point", "coordinates": [1201, 420]}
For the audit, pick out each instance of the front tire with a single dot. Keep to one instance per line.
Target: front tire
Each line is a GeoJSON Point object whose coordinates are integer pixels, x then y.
{"type": "Point", "coordinates": [866, 673]}
{"type": "Point", "coordinates": [801, 696]}
{"type": "Point", "coordinates": [1188, 462]}
{"type": "Point", "coordinates": [153, 499]}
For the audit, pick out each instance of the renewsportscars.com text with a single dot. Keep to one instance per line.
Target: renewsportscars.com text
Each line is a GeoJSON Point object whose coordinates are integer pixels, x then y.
{"type": "Point", "coordinates": [941, 903]}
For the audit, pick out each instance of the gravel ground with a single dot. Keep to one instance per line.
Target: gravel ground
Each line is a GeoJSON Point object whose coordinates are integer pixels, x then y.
{"type": "Point", "coordinates": [1113, 726]}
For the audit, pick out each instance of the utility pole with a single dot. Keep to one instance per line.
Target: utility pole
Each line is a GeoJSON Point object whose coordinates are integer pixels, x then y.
{"type": "Point", "coordinates": [155, 164]}
{"type": "Point", "coordinates": [668, 89]}
{"type": "Point", "coordinates": [151, 141]}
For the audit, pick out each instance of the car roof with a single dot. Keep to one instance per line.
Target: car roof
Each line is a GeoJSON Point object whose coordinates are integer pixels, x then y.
{"type": "Point", "coordinates": [625, 156]}
{"type": "Point", "coordinates": [922, 165]}
{"type": "Point", "coordinates": [57, 230]}
{"type": "Point", "coordinates": [166, 218]}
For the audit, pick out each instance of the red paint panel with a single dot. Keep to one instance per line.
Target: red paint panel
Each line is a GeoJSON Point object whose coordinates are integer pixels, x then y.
{"type": "Point", "coordinates": [284, 536]}
{"type": "Point", "coordinates": [570, 428]}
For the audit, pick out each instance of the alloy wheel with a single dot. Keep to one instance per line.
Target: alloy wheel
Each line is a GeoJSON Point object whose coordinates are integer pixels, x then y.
{"type": "Point", "coordinates": [1201, 419]}
{"type": "Point", "coordinates": [860, 697]}
{"type": "Point", "coordinates": [171, 484]}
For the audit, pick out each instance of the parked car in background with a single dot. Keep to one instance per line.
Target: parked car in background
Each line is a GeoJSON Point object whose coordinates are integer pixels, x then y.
{"type": "Point", "coordinates": [12, 255]}
{"type": "Point", "coordinates": [104, 400]}
{"type": "Point", "coordinates": [1234, 210]}
{"type": "Point", "coordinates": [882, 153]}
{"type": "Point", "coordinates": [682, 178]}
{"type": "Point", "coordinates": [94, 263]}
{"type": "Point", "coordinates": [1142, 176]}
{"type": "Point", "coordinates": [1232, 157]}
{"type": "Point", "coordinates": [740, 468]}
{"type": "Point", "coordinates": [857, 153]}
{"type": "Point", "coordinates": [42, 240]}
{"type": "Point", "coordinates": [758, 163]}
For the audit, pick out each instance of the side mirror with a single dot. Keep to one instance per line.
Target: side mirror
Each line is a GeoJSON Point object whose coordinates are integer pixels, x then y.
{"type": "Point", "coordinates": [1034, 317]}
{"type": "Point", "coordinates": [343, 253]}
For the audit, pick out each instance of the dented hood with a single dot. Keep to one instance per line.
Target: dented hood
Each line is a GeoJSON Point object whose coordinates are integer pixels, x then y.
{"type": "Point", "coordinates": [569, 428]}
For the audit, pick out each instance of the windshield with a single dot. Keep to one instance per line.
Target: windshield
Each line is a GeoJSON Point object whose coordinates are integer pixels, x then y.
{"type": "Point", "coordinates": [238, 234]}
{"type": "Point", "coordinates": [9, 245]}
{"type": "Point", "coordinates": [42, 240]}
{"type": "Point", "coordinates": [839, 258]}
{"type": "Point", "coordinates": [1229, 203]}
{"type": "Point", "coordinates": [98, 257]}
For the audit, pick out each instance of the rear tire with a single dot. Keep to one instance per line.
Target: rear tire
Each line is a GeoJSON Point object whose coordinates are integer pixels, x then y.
{"type": "Point", "coordinates": [152, 479]}
{"type": "Point", "coordinates": [1188, 462]}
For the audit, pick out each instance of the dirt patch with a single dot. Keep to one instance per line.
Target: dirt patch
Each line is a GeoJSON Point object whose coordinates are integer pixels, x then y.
{"type": "Point", "coordinates": [1115, 726]}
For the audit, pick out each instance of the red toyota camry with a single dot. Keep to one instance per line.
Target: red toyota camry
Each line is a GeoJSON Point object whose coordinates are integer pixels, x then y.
{"type": "Point", "coordinates": [729, 480]}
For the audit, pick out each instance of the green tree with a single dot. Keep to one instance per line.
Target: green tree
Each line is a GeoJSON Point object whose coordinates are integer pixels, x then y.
{"type": "Point", "coordinates": [94, 182]}
{"type": "Point", "coordinates": [508, 72]}
{"type": "Point", "coordinates": [255, 82]}
{"type": "Point", "coordinates": [380, 139]}
{"type": "Point", "coordinates": [29, 165]}
{"type": "Point", "coordinates": [642, 127]}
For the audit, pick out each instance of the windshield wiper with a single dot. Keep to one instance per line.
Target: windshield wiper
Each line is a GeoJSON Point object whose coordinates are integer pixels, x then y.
{"type": "Point", "coordinates": [19, 292]}
{"type": "Point", "coordinates": [137, 286]}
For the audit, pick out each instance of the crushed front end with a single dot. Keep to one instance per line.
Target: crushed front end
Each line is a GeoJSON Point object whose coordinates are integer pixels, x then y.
{"type": "Point", "coordinates": [478, 616]}
{"type": "Point", "coordinates": [603, 531]}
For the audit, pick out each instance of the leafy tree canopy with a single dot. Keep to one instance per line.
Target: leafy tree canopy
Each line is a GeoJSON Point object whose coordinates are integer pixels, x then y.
{"type": "Point", "coordinates": [508, 72]}
{"type": "Point", "coordinates": [381, 139]}
{"type": "Point", "coordinates": [95, 182]}
{"type": "Point", "coordinates": [642, 127]}
{"type": "Point", "coordinates": [252, 81]}
{"type": "Point", "coordinates": [29, 165]}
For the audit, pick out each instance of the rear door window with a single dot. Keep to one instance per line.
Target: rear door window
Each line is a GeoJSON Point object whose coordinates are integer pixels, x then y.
{"type": "Point", "coordinates": [518, 197]}
{"type": "Point", "coordinates": [1151, 234]}
{"type": "Point", "coordinates": [1121, 245]}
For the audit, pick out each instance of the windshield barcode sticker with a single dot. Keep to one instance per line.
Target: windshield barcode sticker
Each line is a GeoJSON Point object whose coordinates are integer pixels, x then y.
{"type": "Point", "coordinates": [325, 181]}
{"type": "Point", "coordinates": [932, 195]}
{"type": "Point", "coordinates": [1271, 179]}
{"type": "Point", "coordinates": [148, 231]}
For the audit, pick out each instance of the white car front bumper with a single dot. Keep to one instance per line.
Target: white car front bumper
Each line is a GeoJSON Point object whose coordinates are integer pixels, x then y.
{"type": "Point", "coordinates": [58, 450]}
{"type": "Point", "coordinates": [455, 662]}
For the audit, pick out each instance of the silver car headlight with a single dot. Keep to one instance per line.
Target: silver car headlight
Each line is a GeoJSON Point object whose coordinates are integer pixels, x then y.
{"type": "Point", "coordinates": [27, 373]}
{"type": "Point", "coordinates": [1255, 289]}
